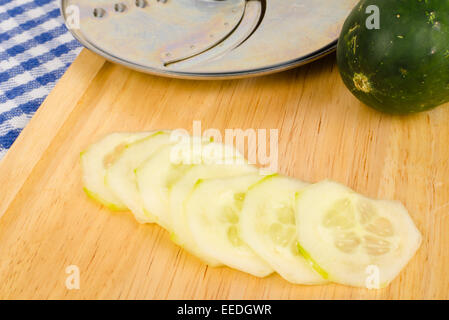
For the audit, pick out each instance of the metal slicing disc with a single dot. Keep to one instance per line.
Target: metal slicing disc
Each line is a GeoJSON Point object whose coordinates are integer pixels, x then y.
{"type": "Point", "coordinates": [207, 38]}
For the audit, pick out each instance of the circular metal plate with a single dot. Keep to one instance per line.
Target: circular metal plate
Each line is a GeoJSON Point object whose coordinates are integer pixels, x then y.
{"type": "Point", "coordinates": [207, 38]}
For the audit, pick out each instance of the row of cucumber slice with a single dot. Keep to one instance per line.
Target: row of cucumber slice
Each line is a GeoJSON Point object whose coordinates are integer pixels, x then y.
{"type": "Point", "coordinates": [225, 212]}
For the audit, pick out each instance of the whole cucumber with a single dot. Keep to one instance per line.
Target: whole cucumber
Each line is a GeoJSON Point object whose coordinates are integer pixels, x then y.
{"type": "Point", "coordinates": [394, 54]}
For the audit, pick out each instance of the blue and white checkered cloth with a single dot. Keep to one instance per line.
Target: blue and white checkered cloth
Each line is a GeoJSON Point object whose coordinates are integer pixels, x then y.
{"type": "Point", "coordinates": [35, 51]}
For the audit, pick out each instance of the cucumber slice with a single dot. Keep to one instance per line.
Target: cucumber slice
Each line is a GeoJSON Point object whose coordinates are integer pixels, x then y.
{"type": "Point", "coordinates": [156, 176]}
{"type": "Point", "coordinates": [181, 190]}
{"type": "Point", "coordinates": [121, 178]}
{"type": "Point", "coordinates": [97, 158]}
{"type": "Point", "coordinates": [213, 214]}
{"type": "Point", "coordinates": [267, 225]}
{"type": "Point", "coordinates": [345, 235]}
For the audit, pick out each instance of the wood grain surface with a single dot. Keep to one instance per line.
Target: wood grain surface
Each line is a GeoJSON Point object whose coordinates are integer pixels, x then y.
{"type": "Point", "coordinates": [47, 223]}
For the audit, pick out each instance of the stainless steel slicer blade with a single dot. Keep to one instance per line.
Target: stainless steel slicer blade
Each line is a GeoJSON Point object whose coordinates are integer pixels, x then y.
{"type": "Point", "coordinates": [207, 39]}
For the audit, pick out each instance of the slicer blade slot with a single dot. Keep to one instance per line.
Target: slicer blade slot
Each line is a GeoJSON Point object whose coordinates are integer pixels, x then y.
{"type": "Point", "coordinates": [182, 50]}
{"type": "Point", "coordinates": [248, 24]}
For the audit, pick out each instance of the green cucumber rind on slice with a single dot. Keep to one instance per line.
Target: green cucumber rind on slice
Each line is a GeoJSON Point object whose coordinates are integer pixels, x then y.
{"type": "Point", "coordinates": [213, 222]}
{"type": "Point", "coordinates": [120, 177]}
{"type": "Point", "coordinates": [345, 233]}
{"type": "Point", "coordinates": [94, 167]}
{"type": "Point", "coordinates": [267, 225]}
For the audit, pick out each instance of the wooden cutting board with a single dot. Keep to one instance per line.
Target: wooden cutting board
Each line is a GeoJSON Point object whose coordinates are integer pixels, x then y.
{"type": "Point", "coordinates": [47, 223]}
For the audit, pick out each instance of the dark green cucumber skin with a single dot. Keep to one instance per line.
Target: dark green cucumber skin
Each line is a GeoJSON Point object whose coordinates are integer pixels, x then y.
{"type": "Point", "coordinates": [405, 62]}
